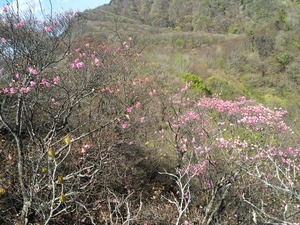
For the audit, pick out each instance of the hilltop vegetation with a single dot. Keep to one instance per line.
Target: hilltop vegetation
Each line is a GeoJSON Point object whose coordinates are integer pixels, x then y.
{"type": "Point", "coordinates": [224, 16]}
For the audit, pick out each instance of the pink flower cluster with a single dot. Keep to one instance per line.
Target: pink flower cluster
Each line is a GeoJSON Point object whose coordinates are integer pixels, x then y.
{"type": "Point", "coordinates": [85, 148]}
{"type": "Point", "coordinates": [247, 112]}
{"type": "Point", "coordinates": [5, 9]}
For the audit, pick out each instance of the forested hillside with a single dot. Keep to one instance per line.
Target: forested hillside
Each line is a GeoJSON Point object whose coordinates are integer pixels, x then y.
{"type": "Point", "coordinates": [248, 48]}
{"type": "Point", "coordinates": [224, 16]}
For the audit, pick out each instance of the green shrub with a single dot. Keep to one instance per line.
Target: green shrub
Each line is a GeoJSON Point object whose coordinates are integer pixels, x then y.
{"type": "Point", "coordinates": [225, 88]}
{"type": "Point", "coordinates": [196, 82]}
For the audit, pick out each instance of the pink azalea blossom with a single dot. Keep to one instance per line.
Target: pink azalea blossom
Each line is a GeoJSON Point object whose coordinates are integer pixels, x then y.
{"type": "Point", "coordinates": [97, 62]}
{"type": "Point", "coordinates": [32, 83]}
{"type": "Point", "coordinates": [56, 80]}
{"type": "Point", "coordinates": [79, 65]}
{"type": "Point", "coordinates": [142, 119]}
{"type": "Point", "coordinates": [5, 9]}
{"type": "Point", "coordinates": [85, 147]}
{"type": "Point", "coordinates": [87, 45]}
{"type": "Point", "coordinates": [152, 93]}
{"type": "Point", "coordinates": [45, 82]}
{"type": "Point", "coordinates": [5, 90]}
{"type": "Point", "coordinates": [18, 76]}
{"type": "Point", "coordinates": [77, 50]}
{"type": "Point", "coordinates": [138, 104]}
{"type": "Point", "coordinates": [21, 23]}
{"type": "Point", "coordinates": [12, 90]}
{"type": "Point", "coordinates": [129, 109]}
{"type": "Point", "coordinates": [48, 28]}
{"type": "Point", "coordinates": [124, 125]}
{"type": "Point", "coordinates": [25, 90]}
{"type": "Point", "coordinates": [32, 71]}
{"type": "Point", "coordinates": [54, 101]}
{"type": "Point", "coordinates": [3, 40]}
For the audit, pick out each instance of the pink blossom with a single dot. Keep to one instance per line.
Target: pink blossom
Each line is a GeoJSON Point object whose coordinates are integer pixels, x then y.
{"type": "Point", "coordinates": [152, 93]}
{"type": "Point", "coordinates": [5, 9]}
{"type": "Point", "coordinates": [45, 82]}
{"type": "Point", "coordinates": [142, 119]}
{"type": "Point", "coordinates": [77, 50]}
{"type": "Point", "coordinates": [32, 83]}
{"type": "Point", "coordinates": [5, 90]}
{"type": "Point", "coordinates": [25, 90]}
{"type": "Point", "coordinates": [18, 76]}
{"type": "Point", "coordinates": [68, 15]}
{"type": "Point", "coordinates": [54, 101]}
{"type": "Point", "coordinates": [32, 71]}
{"type": "Point", "coordinates": [73, 65]}
{"type": "Point", "coordinates": [3, 40]}
{"type": "Point", "coordinates": [117, 50]}
{"type": "Point", "coordinates": [79, 65]}
{"type": "Point", "coordinates": [87, 45]}
{"type": "Point", "coordinates": [12, 90]}
{"type": "Point", "coordinates": [85, 147]}
{"type": "Point", "coordinates": [54, 22]}
{"type": "Point", "coordinates": [138, 104]}
{"type": "Point", "coordinates": [129, 109]}
{"type": "Point", "coordinates": [124, 125]}
{"type": "Point", "coordinates": [56, 80]}
{"type": "Point", "coordinates": [9, 157]}
{"type": "Point", "coordinates": [48, 28]}
{"type": "Point", "coordinates": [106, 50]}
{"type": "Point", "coordinates": [21, 23]}
{"type": "Point", "coordinates": [187, 86]}
{"type": "Point", "coordinates": [97, 62]}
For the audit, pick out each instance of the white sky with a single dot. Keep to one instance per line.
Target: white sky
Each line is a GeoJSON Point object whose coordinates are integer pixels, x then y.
{"type": "Point", "coordinates": [58, 5]}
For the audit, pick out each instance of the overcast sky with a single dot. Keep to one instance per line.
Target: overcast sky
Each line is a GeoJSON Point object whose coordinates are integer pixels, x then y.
{"type": "Point", "coordinates": [58, 5]}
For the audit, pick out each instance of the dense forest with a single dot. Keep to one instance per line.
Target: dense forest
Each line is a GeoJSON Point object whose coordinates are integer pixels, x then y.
{"type": "Point", "coordinates": [151, 112]}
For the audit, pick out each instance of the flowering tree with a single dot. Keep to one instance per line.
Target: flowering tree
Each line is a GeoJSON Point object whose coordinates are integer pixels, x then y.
{"type": "Point", "coordinates": [53, 98]}
{"type": "Point", "coordinates": [237, 148]}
